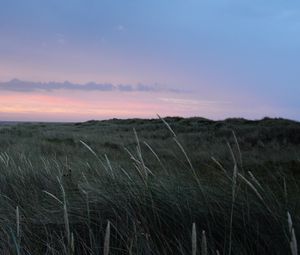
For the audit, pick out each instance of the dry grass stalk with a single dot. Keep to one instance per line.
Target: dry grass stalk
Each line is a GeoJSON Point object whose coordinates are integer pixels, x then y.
{"type": "Point", "coordinates": [167, 125]}
{"type": "Point", "coordinates": [72, 248]}
{"type": "Point", "coordinates": [255, 191]}
{"type": "Point", "coordinates": [94, 153]}
{"type": "Point", "coordinates": [221, 167]}
{"type": "Point", "coordinates": [155, 155]}
{"type": "Point", "coordinates": [234, 187]}
{"type": "Point", "coordinates": [18, 223]}
{"type": "Point", "coordinates": [194, 239]}
{"type": "Point", "coordinates": [238, 147]}
{"type": "Point", "coordinates": [18, 230]}
{"type": "Point", "coordinates": [107, 239]}
{"type": "Point", "coordinates": [66, 218]}
{"type": "Point", "coordinates": [204, 244]}
{"type": "Point", "coordinates": [293, 240]}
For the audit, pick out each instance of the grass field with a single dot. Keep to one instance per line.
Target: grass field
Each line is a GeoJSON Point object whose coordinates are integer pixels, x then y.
{"type": "Point", "coordinates": [172, 186]}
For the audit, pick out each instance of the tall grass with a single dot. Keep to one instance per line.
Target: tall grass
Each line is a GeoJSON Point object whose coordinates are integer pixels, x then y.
{"type": "Point", "coordinates": [47, 207]}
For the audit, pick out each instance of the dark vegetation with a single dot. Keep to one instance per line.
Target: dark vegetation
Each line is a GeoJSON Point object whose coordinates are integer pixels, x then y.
{"type": "Point", "coordinates": [143, 184]}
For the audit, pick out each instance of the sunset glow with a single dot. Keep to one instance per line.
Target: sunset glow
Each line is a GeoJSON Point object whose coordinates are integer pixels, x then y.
{"type": "Point", "coordinates": [195, 58]}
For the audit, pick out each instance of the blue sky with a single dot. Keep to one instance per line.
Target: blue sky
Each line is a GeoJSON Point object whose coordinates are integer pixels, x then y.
{"type": "Point", "coordinates": [241, 55]}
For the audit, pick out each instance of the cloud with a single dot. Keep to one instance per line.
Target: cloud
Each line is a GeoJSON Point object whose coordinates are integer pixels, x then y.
{"type": "Point", "coordinates": [17, 85]}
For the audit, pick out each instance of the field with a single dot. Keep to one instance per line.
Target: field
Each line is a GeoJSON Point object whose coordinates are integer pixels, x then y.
{"type": "Point", "coordinates": [160, 186]}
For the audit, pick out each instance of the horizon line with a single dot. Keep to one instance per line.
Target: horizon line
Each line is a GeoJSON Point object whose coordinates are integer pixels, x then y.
{"type": "Point", "coordinates": [138, 118]}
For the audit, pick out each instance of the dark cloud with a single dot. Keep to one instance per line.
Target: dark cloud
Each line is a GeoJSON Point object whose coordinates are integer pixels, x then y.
{"type": "Point", "coordinates": [125, 87]}
{"type": "Point", "coordinates": [27, 86]}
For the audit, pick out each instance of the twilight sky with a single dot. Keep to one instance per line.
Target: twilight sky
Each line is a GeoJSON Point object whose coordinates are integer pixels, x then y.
{"type": "Point", "coordinates": [75, 60]}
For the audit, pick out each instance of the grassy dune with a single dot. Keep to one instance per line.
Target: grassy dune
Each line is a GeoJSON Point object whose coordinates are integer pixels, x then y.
{"type": "Point", "coordinates": [173, 186]}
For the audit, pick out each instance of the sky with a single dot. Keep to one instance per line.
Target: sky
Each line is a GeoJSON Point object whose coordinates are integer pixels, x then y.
{"type": "Point", "coordinates": [76, 60]}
